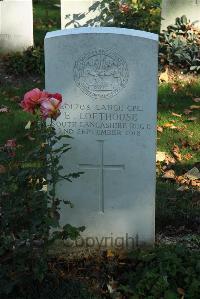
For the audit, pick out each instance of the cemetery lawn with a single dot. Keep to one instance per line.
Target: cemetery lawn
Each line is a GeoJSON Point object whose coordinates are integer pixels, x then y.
{"type": "Point", "coordinates": [178, 137]}
{"type": "Point", "coordinates": [177, 212]}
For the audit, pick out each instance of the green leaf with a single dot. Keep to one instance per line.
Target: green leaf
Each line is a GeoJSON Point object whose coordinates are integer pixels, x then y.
{"type": "Point", "coordinates": [171, 295]}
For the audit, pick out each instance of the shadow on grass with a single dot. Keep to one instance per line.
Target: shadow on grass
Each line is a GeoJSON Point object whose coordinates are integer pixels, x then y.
{"type": "Point", "coordinates": [175, 208]}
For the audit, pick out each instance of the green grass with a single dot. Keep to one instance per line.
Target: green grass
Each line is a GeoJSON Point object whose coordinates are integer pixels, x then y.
{"type": "Point", "coordinates": [173, 207]}
{"type": "Point", "coordinates": [12, 123]}
{"type": "Point", "coordinates": [46, 18]}
{"type": "Point", "coordinates": [170, 102]}
{"type": "Point", "coordinates": [176, 102]}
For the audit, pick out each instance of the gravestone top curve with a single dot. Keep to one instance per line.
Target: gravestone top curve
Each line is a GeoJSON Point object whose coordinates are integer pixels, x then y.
{"type": "Point", "coordinates": [105, 30]}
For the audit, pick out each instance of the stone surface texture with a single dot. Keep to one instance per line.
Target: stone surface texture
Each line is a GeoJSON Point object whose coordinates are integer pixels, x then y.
{"type": "Point", "coordinates": [108, 79]}
{"type": "Point", "coordinates": [71, 8]}
{"type": "Point", "coordinates": [16, 25]}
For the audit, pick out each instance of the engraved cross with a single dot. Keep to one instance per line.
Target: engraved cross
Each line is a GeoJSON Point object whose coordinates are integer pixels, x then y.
{"type": "Point", "coordinates": [101, 167]}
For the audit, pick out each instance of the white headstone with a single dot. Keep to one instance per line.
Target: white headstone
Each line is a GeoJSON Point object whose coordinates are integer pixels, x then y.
{"type": "Point", "coordinates": [108, 78]}
{"type": "Point", "coordinates": [71, 9]}
{"type": "Point", "coordinates": [171, 9]}
{"type": "Point", "coordinates": [16, 25]}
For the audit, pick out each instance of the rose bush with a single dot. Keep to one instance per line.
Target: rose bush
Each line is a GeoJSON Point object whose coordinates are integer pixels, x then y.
{"type": "Point", "coordinates": [124, 8]}
{"type": "Point", "coordinates": [29, 206]}
{"type": "Point", "coordinates": [134, 14]}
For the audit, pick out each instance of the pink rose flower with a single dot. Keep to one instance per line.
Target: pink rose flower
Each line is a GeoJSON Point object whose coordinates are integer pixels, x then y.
{"type": "Point", "coordinates": [10, 146]}
{"type": "Point", "coordinates": [50, 108]}
{"type": "Point", "coordinates": [10, 143]}
{"type": "Point", "coordinates": [57, 96]}
{"type": "Point", "coordinates": [124, 8]}
{"type": "Point", "coordinates": [32, 100]}
{"type": "Point", "coordinates": [48, 103]}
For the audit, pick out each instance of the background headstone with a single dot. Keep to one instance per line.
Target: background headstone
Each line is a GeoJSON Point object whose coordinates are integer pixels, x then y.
{"type": "Point", "coordinates": [171, 9]}
{"type": "Point", "coordinates": [108, 79]}
{"type": "Point", "coordinates": [16, 25]}
{"type": "Point", "coordinates": [77, 11]}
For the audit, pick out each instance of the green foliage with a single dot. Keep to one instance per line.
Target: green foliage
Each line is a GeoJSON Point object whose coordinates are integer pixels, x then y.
{"type": "Point", "coordinates": [31, 61]}
{"type": "Point", "coordinates": [180, 46]}
{"type": "Point", "coordinates": [47, 2]}
{"type": "Point", "coordinates": [139, 14]}
{"type": "Point", "coordinates": [27, 211]}
{"type": "Point", "coordinates": [161, 273]}
{"type": "Point", "coordinates": [142, 14]}
{"type": "Point", "coordinates": [54, 287]}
